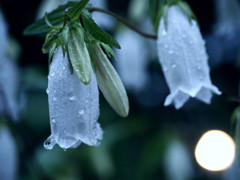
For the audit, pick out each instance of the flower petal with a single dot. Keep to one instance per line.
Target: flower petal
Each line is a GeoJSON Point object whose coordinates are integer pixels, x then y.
{"type": "Point", "coordinates": [183, 57]}
{"type": "Point", "coordinates": [73, 106]}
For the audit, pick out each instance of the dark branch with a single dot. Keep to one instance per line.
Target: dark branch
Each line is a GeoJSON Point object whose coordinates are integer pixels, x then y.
{"type": "Point", "coordinates": [123, 21]}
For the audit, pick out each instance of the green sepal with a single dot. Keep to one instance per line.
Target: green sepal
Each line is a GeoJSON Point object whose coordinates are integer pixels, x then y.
{"type": "Point", "coordinates": [52, 51]}
{"type": "Point", "coordinates": [55, 18]}
{"type": "Point", "coordinates": [78, 53]}
{"type": "Point", "coordinates": [235, 115]}
{"type": "Point", "coordinates": [154, 12]}
{"type": "Point", "coordinates": [108, 51]}
{"type": "Point", "coordinates": [96, 31]}
{"type": "Point", "coordinates": [236, 124]}
{"type": "Point", "coordinates": [109, 82]}
{"type": "Point", "coordinates": [164, 5]}
{"type": "Point", "coordinates": [187, 10]}
{"type": "Point", "coordinates": [76, 10]}
{"type": "Point", "coordinates": [50, 39]}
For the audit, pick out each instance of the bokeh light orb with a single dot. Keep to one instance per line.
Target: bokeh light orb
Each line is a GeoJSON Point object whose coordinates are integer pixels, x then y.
{"type": "Point", "coordinates": [215, 151]}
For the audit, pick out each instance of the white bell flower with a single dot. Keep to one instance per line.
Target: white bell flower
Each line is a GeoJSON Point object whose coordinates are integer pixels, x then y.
{"type": "Point", "coordinates": [182, 54]}
{"type": "Point", "coordinates": [177, 161]}
{"type": "Point", "coordinates": [8, 75]}
{"type": "Point", "coordinates": [73, 106]}
{"type": "Point", "coordinates": [3, 35]}
{"type": "Point", "coordinates": [8, 155]}
{"type": "Point", "coordinates": [130, 60]}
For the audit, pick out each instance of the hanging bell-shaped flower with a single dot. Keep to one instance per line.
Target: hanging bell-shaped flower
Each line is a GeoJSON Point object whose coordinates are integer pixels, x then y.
{"type": "Point", "coordinates": [73, 106]}
{"type": "Point", "coordinates": [183, 57]}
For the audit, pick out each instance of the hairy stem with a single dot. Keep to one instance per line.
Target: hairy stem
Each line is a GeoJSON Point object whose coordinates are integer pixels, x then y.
{"type": "Point", "coordinates": [123, 21]}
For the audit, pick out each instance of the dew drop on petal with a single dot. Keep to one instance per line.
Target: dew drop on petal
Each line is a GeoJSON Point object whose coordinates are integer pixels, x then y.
{"type": "Point", "coordinates": [52, 74]}
{"type": "Point", "coordinates": [49, 143]}
{"type": "Point", "coordinates": [53, 120]}
{"type": "Point", "coordinates": [164, 33]}
{"type": "Point", "coordinates": [165, 68]}
{"type": "Point", "coordinates": [174, 66]}
{"type": "Point", "coordinates": [72, 98]}
{"type": "Point", "coordinates": [81, 112]}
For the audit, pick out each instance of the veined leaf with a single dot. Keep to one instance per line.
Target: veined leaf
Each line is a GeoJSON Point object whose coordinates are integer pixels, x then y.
{"type": "Point", "coordinates": [75, 12]}
{"type": "Point", "coordinates": [78, 53]}
{"type": "Point", "coordinates": [50, 39]}
{"type": "Point", "coordinates": [56, 17]}
{"type": "Point", "coordinates": [96, 31]}
{"type": "Point", "coordinates": [109, 82]}
{"type": "Point", "coordinates": [108, 51]}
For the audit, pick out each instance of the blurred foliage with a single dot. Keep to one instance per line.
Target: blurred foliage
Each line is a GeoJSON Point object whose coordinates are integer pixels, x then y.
{"type": "Point", "coordinates": [133, 147]}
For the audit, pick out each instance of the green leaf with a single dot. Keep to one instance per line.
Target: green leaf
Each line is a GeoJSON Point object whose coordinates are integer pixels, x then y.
{"type": "Point", "coordinates": [109, 82]}
{"type": "Point", "coordinates": [236, 121]}
{"type": "Point", "coordinates": [75, 12]}
{"type": "Point", "coordinates": [96, 31]}
{"type": "Point", "coordinates": [52, 51]}
{"type": "Point", "coordinates": [56, 17]}
{"type": "Point", "coordinates": [78, 53]}
{"type": "Point", "coordinates": [50, 39]}
{"type": "Point", "coordinates": [187, 10]}
{"type": "Point", "coordinates": [108, 51]}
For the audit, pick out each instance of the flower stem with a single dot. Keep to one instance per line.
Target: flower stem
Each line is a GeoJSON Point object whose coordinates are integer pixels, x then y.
{"type": "Point", "coordinates": [123, 21]}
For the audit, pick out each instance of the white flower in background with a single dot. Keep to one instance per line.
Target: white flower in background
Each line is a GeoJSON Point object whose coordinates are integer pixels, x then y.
{"type": "Point", "coordinates": [9, 87]}
{"type": "Point", "coordinates": [133, 59]}
{"type": "Point", "coordinates": [226, 33]}
{"type": "Point", "coordinates": [177, 161]}
{"type": "Point", "coordinates": [8, 75]}
{"type": "Point", "coordinates": [73, 106]}
{"type": "Point", "coordinates": [138, 10]}
{"type": "Point", "coordinates": [183, 58]}
{"type": "Point", "coordinates": [8, 155]}
{"type": "Point", "coordinates": [228, 14]}
{"type": "Point", "coordinates": [103, 20]}
{"type": "Point", "coordinates": [3, 36]}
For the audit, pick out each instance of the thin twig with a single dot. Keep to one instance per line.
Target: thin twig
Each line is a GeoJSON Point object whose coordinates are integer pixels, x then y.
{"type": "Point", "coordinates": [123, 21]}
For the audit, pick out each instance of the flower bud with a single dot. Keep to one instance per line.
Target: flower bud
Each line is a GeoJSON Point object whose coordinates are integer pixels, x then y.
{"type": "Point", "coordinates": [78, 53]}
{"type": "Point", "coordinates": [109, 82]}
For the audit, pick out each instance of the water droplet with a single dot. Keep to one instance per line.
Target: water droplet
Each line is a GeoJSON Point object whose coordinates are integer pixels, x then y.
{"type": "Point", "coordinates": [54, 99]}
{"type": "Point", "coordinates": [64, 68]}
{"type": "Point", "coordinates": [164, 33]}
{"type": "Point", "coordinates": [47, 91]}
{"type": "Point", "coordinates": [201, 77]}
{"type": "Point", "coordinates": [174, 66]}
{"type": "Point", "coordinates": [49, 143]}
{"type": "Point", "coordinates": [52, 74]}
{"type": "Point", "coordinates": [165, 68]}
{"type": "Point", "coordinates": [81, 112]}
{"type": "Point", "coordinates": [72, 98]}
{"type": "Point", "coordinates": [53, 120]}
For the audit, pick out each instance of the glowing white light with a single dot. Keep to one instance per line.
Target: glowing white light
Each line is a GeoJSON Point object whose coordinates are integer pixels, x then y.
{"type": "Point", "coordinates": [215, 151]}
